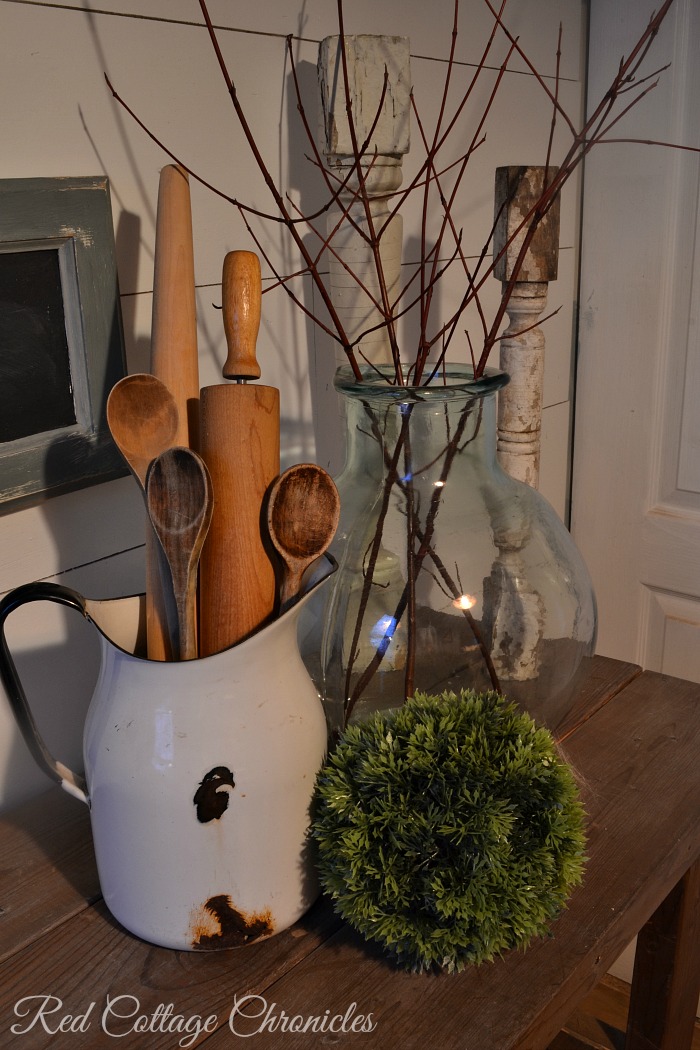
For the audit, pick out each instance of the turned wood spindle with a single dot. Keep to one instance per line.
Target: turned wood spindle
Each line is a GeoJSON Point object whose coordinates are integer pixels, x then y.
{"type": "Point", "coordinates": [367, 58]}
{"type": "Point", "coordinates": [522, 344]}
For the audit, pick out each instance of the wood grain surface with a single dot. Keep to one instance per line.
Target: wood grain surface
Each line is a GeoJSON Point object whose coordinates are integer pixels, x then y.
{"type": "Point", "coordinates": [47, 867]}
{"type": "Point", "coordinates": [174, 356]}
{"type": "Point", "coordinates": [240, 444]}
{"type": "Point", "coordinates": [637, 757]}
{"type": "Point", "coordinates": [660, 1008]}
{"type": "Point", "coordinates": [638, 844]}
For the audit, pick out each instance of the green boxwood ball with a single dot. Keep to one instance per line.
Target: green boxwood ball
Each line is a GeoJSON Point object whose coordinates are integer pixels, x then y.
{"type": "Point", "coordinates": [449, 830]}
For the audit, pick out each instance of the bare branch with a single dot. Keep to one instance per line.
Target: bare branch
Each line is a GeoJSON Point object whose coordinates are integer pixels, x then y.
{"type": "Point", "coordinates": [436, 182]}
{"type": "Point", "coordinates": [277, 196]}
{"type": "Point", "coordinates": [554, 107]}
{"type": "Point", "coordinates": [378, 264]}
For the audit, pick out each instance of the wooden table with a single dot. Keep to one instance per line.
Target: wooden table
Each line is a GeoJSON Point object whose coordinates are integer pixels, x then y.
{"type": "Point", "coordinates": [635, 739]}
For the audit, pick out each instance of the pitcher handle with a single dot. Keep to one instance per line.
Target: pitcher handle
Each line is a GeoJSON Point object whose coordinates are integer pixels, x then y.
{"type": "Point", "coordinates": [71, 782]}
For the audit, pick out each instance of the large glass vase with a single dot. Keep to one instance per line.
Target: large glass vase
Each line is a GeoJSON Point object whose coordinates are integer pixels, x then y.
{"type": "Point", "coordinates": [451, 574]}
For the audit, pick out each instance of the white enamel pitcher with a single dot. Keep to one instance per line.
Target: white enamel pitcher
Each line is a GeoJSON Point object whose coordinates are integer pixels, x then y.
{"type": "Point", "coordinates": [198, 774]}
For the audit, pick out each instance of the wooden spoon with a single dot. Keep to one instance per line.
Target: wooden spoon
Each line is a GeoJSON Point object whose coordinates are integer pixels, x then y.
{"type": "Point", "coordinates": [302, 516]}
{"type": "Point", "coordinates": [179, 501]}
{"type": "Point", "coordinates": [143, 420]}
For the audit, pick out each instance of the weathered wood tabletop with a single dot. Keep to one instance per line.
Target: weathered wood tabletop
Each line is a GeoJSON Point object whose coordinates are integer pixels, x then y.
{"type": "Point", "coordinates": [71, 977]}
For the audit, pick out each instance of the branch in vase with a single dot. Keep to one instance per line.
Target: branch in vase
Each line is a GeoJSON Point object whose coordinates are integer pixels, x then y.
{"type": "Point", "coordinates": [278, 198]}
{"type": "Point", "coordinates": [374, 241]}
{"type": "Point", "coordinates": [415, 558]}
{"type": "Point", "coordinates": [429, 180]}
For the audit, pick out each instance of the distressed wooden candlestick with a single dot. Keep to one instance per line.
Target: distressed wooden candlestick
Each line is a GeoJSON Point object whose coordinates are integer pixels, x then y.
{"type": "Point", "coordinates": [513, 613]}
{"type": "Point", "coordinates": [522, 344]}
{"type": "Point", "coordinates": [353, 261]}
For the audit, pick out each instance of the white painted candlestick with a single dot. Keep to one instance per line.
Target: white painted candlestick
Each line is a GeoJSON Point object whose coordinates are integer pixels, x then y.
{"type": "Point", "coordinates": [522, 346]}
{"type": "Point", "coordinates": [520, 403]}
{"type": "Point", "coordinates": [517, 611]}
{"type": "Point", "coordinates": [355, 286]}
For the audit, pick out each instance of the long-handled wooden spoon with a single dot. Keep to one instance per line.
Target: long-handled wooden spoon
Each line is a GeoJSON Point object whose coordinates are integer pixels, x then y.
{"type": "Point", "coordinates": [302, 516]}
{"type": "Point", "coordinates": [179, 501]}
{"type": "Point", "coordinates": [143, 419]}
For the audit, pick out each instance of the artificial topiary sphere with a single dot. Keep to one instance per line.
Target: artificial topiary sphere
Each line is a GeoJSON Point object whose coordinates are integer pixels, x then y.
{"type": "Point", "coordinates": [449, 830]}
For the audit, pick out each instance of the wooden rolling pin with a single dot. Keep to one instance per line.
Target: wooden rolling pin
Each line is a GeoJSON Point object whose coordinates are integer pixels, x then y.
{"type": "Point", "coordinates": [173, 355]}
{"type": "Point", "coordinates": [239, 442]}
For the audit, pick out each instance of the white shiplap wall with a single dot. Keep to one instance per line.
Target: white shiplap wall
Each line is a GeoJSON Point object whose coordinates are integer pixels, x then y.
{"type": "Point", "coordinates": [58, 118]}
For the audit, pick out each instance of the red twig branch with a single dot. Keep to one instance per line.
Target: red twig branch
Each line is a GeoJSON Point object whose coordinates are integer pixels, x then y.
{"type": "Point", "coordinates": [278, 198]}
{"type": "Point", "coordinates": [351, 191]}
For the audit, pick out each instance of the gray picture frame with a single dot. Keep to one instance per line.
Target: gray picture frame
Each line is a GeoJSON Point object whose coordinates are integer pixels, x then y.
{"type": "Point", "coordinates": [44, 451]}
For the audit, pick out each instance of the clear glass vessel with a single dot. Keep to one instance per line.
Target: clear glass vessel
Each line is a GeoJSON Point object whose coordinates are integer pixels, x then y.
{"type": "Point", "coordinates": [451, 574]}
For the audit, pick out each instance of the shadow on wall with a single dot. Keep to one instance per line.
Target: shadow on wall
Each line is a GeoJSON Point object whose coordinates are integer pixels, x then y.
{"type": "Point", "coordinates": [58, 678]}
{"type": "Point", "coordinates": [137, 348]}
{"type": "Point", "coordinates": [317, 360]}
{"type": "Point", "coordinates": [97, 536]}
{"type": "Point", "coordinates": [305, 433]}
{"type": "Point", "coordinates": [93, 538]}
{"type": "Point", "coordinates": [57, 654]}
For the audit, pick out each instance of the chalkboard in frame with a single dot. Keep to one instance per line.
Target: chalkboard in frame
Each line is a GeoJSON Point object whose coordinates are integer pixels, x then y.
{"type": "Point", "coordinates": [61, 339]}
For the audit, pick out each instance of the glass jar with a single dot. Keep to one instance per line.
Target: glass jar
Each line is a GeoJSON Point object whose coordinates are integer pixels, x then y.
{"type": "Point", "coordinates": [451, 574]}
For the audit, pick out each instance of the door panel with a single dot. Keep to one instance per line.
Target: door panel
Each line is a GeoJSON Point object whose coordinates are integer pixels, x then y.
{"type": "Point", "coordinates": [673, 635]}
{"type": "Point", "coordinates": [636, 475]}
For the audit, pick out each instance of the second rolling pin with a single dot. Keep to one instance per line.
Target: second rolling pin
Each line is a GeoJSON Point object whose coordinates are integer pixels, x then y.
{"type": "Point", "coordinates": [239, 442]}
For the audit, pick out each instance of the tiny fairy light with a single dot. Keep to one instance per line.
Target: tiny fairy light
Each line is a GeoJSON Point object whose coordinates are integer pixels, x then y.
{"type": "Point", "coordinates": [465, 601]}
{"type": "Point", "coordinates": [384, 630]}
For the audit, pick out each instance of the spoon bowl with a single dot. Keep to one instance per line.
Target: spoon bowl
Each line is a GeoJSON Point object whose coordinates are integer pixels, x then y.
{"type": "Point", "coordinates": [143, 420]}
{"type": "Point", "coordinates": [302, 516]}
{"type": "Point", "coordinates": [179, 501]}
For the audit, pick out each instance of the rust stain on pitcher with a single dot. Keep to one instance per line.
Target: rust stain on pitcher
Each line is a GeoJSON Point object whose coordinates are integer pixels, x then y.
{"type": "Point", "coordinates": [218, 924]}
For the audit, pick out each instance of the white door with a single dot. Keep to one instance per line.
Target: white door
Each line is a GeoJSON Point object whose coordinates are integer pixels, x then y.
{"type": "Point", "coordinates": [636, 472]}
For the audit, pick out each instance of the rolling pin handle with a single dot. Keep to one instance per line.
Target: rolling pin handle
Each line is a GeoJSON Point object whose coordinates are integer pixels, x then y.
{"type": "Point", "coordinates": [242, 294]}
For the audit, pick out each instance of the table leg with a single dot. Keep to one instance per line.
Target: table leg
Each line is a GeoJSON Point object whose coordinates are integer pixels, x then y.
{"type": "Point", "coordinates": [666, 980]}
